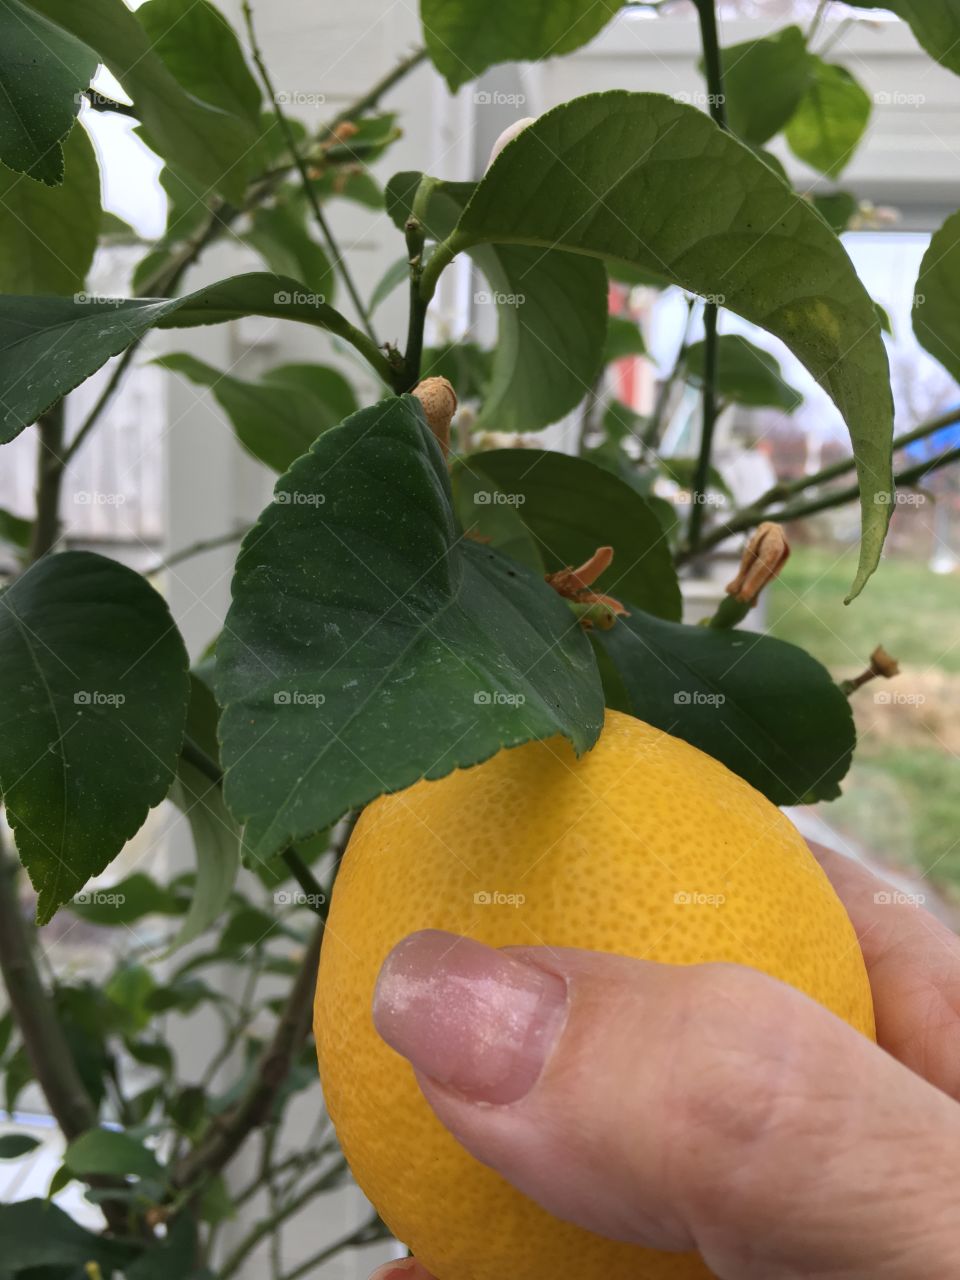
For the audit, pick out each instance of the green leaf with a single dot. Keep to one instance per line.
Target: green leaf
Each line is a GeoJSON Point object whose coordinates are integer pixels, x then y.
{"type": "Point", "coordinates": [745, 374]}
{"type": "Point", "coordinates": [836, 208]}
{"type": "Point", "coordinates": [208, 143]}
{"type": "Point", "coordinates": [572, 507]}
{"type": "Point", "coordinates": [14, 529]}
{"type": "Point", "coordinates": [935, 23]}
{"type": "Point", "coordinates": [126, 901]}
{"type": "Point", "coordinates": [216, 837]}
{"type": "Point", "coordinates": [48, 234]}
{"type": "Point", "coordinates": [276, 420]}
{"type": "Point", "coordinates": [463, 38]}
{"type": "Point", "coordinates": [683, 470]}
{"type": "Point", "coordinates": [465, 365]}
{"type": "Point", "coordinates": [280, 235]}
{"type": "Point", "coordinates": [764, 81]}
{"type": "Point", "coordinates": [826, 128]}
{"type": "Point", "coordinates": [50, 345]}
{"type": "Point", "coordinates": [129, 990]}
{"type": "Point", "coordinates": [109, 1151]}
{"type": "Point", "coordinates": [42, 70]}
{"type": "Point", "coordinates": [936, 299]}
{"type": "Point", "coordinates": [369, 645]}
{"type": "Point", "coordinates": [624, 338]}
{"type": "Point", "coordinates": [766, 709]}
{"type": "Point", "coordinates": [37, 1233]}
{"type": "Point", "coordinates": [15, 1145]}
{"type": "Point", "coordinates": [201, 49]}
{"type": "Point", "coordinates": [395, 275]}
{"type": "Point", "coordinates": [96, 698]}
{"type": "Point", "coordinates": [482, 516]}
{"type": "Point", "coordinates": [684, 198]}
{"type": "Point", "coordinates": [551, 315]}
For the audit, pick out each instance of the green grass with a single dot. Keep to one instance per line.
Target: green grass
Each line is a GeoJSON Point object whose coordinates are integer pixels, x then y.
{"type": "Point", "coordinates": [913, 613]}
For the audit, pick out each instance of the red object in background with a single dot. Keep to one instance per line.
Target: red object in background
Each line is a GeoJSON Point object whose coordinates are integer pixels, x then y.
{"type": "Point", "coordinates": [631, 376]}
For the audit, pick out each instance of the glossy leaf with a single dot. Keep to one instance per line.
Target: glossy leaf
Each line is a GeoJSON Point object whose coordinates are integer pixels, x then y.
{"type": "Point", "coordinates": [43, 247]}
{"type": "Point", "coordinates": [281, 237]}
{"type": "Point", "coordinates": [108, 1151]}
{"type": "Point", "coordinates": [682, 197]}
{"type": "Point", "coordinates": [369, 645]}
{"type": "Point", "coordinates": [14, 529]}
{"type": "Point", "coordinates": [572, 507]}
{"type": "Point", "coordinates": [935, 23]}
{"type": "Point", "coordinates": [93, 715]}
{"type": "Point", "coordinates": [551, 315]}
{"type": "Point", "coordinates": [837, 208]}
{"type": "Point", "coordinates": [208, 143]}
{"type": "Point", "coordinates": [463, 38]}
{"type": "Point", "coordinates": [275, 420]}
{"type": "Point", "coordinates": [766, 709]}
{"type": "Point", "coordinates": [624, 338]}
{"type": "Point", "coordinates": [833, 114]}
{"type": "Point", "coordinates": [42, 70]}
{"type": "Point", "coordinates": [764, 81]}
{"type": "Point", "coordinates": [746, 374]}
{"type": "Point", "coordinates": [36, 1233]}
{"type": "Point", "coordinates": [128, 900]}
{"type": "Point", "coordinates": [50, 345]}
{"type": "Point", "coordinates": [202, 51]}
{"type": "Point", "coordinates": [15, 1145]}
{"type": "Point", "coordinates": [936, 299]}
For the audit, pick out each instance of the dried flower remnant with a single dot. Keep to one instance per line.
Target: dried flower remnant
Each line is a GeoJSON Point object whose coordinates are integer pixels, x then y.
{"type": "Point", "coordinates": [764, 556]}
{"type": "Point", "coordinates": [439, 401]}
{"type": "Point", "coordinates": [592, 608]}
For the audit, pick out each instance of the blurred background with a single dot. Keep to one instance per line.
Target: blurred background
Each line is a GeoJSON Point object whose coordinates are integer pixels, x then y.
{"type": "Point", "coordinates": [166, 471]}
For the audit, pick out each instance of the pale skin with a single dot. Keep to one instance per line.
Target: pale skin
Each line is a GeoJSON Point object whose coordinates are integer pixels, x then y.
{"type": "Point", "coordinates": [777, 1141]}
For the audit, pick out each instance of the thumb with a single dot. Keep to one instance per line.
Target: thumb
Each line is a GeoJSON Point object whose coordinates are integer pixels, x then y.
{"type": "Point", "coordinates": [702, 1107]}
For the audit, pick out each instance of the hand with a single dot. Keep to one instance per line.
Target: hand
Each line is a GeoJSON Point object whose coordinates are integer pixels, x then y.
{"type": "Point", "coordinates": [776, 1140]}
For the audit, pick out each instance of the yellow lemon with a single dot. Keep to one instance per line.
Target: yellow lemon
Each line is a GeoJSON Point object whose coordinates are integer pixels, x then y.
{"type": "Point", "coordinates": [644, 846]}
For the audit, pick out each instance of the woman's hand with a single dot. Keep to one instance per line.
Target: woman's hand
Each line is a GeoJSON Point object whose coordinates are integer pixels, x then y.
{"type": "Point", "coordinates": [705, 1107]}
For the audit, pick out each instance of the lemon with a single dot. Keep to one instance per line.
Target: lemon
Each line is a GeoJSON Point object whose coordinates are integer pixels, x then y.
{"type": "Point", "coordinates": [644, 846]}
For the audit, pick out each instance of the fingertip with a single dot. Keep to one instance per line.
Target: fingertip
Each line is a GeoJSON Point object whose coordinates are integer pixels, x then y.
{"type": "Point", "coordinates": [404, 1269]}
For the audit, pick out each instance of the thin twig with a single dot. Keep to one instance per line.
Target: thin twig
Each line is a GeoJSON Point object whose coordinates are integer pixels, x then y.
{"type": "Point", "coordinates": [46, 524]}
{"type": "Point", "coordinates": [368, 1233]}
{"type": "Point", "coordinates": [651, 434]}
{"type": "Point", "coordinates": [196, 549]}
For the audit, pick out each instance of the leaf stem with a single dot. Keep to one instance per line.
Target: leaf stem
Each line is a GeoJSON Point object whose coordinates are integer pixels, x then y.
{"type": "Point", "coordinates": [443, 254]}
{"type": "Point", "coordinates": [651, 435]}
{"type": "Point", "coordinates": [50, 464]}
{"type": "Point", "coordinates": [339, 262]}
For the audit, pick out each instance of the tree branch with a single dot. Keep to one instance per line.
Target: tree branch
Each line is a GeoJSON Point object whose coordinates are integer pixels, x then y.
{"type": "Point", "coordinates": [50, 464]}
{"type": "Point", "coordinates": [368, 1233]}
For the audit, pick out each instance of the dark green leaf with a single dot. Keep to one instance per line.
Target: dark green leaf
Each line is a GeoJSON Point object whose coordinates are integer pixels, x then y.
{"type": "Point", "coordinates": [766, 709]}
{"type": "Point", "coordinates": [48, 234]}
{"type": "Point", "coordinates": [174, 1258]}
{"type": "Point", "coordinates": [349, 183]}
{"type": "Point", "coordinates": [683, 470]}
{"type": "Point", "coordinates": [50, 345]}
{"type": "Point", "coordinates": [152, 1053]}
{"type": "Point", "coordinates": [935, 23]}
{"type": "Point", "coordinates": [830, 120]}
{"type": "Point", "coordinates": [465, 365]}
{"type": "Point", "coordinates": [723, 222]}
{"type": "Point", "coordinates": [128, 900]}
{"type": "Point", "coordinates": [112, 1152]}
{"type": "Point", "coordinates": [210, 144]}
{"type": "Point", "coordinates": [463, 38]}
{"type": "Point", "coordinates": [624, 338]}
{"type": "Point", "coordinates": [14, 529]}
{"type": "Point", "coordinates": [280, 235]}
{"type": "Point", "coordinates": [276, 419]}
{"type": "Point", "coordinates": [248, 928]}
{"type": "Point", "coordinates": [764, 81]}
{"type": "Point", "coordinates": [745, 374]}
{"type": "Point", "coordinates": [484, 516]}
{"type": "Point", "coordinates": [551, 316]}
{"type": "Point", "coordinates": [936, 301]}
{"type": "Point", "coordinates": [368, 645]}
{"type": "Point", "coordinates": [95, 680]}
{"type": "Point", "coordinates": [17, 1075]}
{"type": "Point", "coordinates": [572, 507]}
{"type": "Point", "coordinates": [202, 51]}
{"type": "Point", "coordinates": [15, 1145]}
{"type": "Point", "coordinates": [36, 1233]}
{"type": "Point", "coordinates": [129, 990]}
{"type": "Point", "coordinates": [42, 70]}
{"type": "Point", "coordinates": [836, 208]}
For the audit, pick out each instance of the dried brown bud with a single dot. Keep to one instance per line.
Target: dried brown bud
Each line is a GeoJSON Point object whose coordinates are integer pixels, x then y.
{"type": "Point", "coordinates": [439, 402]}
{"type": "Point", "coordinates": [344, 131]}
{"type": "Point", "coordinates": [592, 608]}
{"type": "Point", "coordinates": [763, 557]}
{"type": "Point", "coordinates": [881, 664]}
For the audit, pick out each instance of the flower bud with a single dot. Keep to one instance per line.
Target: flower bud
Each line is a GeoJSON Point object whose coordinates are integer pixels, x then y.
{"type": "Point", "coordinates": [763, 557]}
{"type": "Point", "coordinates": [439, 401]}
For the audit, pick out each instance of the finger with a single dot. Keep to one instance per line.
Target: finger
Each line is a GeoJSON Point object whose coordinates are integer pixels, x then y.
{"type": "Point", "coordinates": [914, 966]}
{"type": "Point", "coordinates": [405, 1269]}
{"type": "Point", "coordinates": [704, 1106]}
